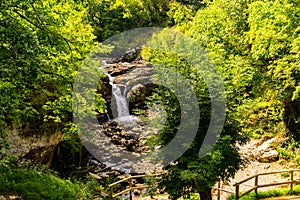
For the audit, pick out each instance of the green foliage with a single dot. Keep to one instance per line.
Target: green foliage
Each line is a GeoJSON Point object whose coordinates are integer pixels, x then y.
{"type": "Point", "coordinates": [284, 174]}
{"type": "Point", "coordinates": [43, 45]}
{"type": "Point", "coordinates": [255, 45]}
{"type": "Point", "coordinates": [111, 17]}
{"type": "Point", "coordinates": [194, 4]}
{"type": "Point", "coordinates": [290, 151]}
{"type": "Point", "coordinates": [275, 50]}
{"type": "Point", "coordinates": [263, 117]}
{"type": "Point", "coordinates": [192, 197]}
{"type": "Point", "coordinates": [195, 174]}
{"type": "Point", "coordinates": [3, 143]}
{"type": "Point", "coordinates": [250, 196]}
{"type": "Point", "coordinates": [31, 184]}
{"type": "Point", "coordinates": [152, 183]}
{"type": "Point", "coordinates": [179, 14]}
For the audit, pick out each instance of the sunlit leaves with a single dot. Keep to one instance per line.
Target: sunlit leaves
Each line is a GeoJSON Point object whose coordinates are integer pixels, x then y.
{"type": "Point", "coordinates": [42, 46]}
{"type": "Point", "coordinates": [255, 45]}
{"type": "Point", "coordinates": [111, 17]}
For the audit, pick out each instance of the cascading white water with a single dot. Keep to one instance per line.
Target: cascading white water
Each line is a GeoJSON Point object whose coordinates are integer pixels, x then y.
{"type": "Point", "coordinates": [121, 100]}
{"type": "Point", "coordinates": [119, 96]}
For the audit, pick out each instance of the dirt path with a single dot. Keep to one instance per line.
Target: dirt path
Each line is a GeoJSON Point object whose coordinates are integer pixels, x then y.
{"type": "Point", "coordinates": [254, 168]}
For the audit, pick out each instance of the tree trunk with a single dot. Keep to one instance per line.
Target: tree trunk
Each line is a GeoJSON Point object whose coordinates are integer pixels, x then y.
{"type": "Point", "coordinates": [206, 194]}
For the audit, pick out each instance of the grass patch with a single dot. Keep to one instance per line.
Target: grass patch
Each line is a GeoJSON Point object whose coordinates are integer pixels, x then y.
{"type": "Point", "coordinates": [36, 185]}
{"type": "Point", "coordinates": [271, 193]}
{"type": "Point", "coordinates": [194, 196]}
{"type": "Point", "coordinates": [285, 174]}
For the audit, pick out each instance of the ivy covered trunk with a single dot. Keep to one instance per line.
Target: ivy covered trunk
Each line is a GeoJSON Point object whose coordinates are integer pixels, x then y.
{"type": "Point", "coordinates": [206, 194]}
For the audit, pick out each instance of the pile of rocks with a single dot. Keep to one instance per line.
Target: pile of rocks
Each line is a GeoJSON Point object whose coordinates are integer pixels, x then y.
{"type": "Point", "coordinates": [262, 150]}
{"type": "Point", "coordinates": [125, 136]}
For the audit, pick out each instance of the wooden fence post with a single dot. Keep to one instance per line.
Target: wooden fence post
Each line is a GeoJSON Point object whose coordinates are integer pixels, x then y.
{"type": "Point", "coordinates": [237, 191]}
{"type": "Point", "coordinates": [292, 179]}
{"type": "Point", "coordinates": [256, 184]}
{"type": "Point", "coordinates": [130, 192]}
{"type": "Point", "coordinates": [219, 191]}
{"type": "Point", "coordinates": [111, 192]}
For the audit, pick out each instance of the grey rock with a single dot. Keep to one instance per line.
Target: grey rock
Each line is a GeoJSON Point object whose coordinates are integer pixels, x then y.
{"type": "Point", "coordinates": [268, 157]}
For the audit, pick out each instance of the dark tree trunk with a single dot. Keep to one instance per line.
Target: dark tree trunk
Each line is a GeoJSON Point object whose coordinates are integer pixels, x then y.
{"type": "Point", "coordinates": [206, 194]}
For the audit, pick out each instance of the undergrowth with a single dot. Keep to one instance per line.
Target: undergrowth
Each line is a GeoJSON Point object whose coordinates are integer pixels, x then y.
{"type": "Point", "coordinates": [37, 185]}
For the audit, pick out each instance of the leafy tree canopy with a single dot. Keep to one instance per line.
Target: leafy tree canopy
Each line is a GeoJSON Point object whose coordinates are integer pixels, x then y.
{"type": "Point", "coordinates": [109, 17]}
{"type": "Point", "coordinates": [255, 44]}
{"type": "Point", "coordinates": [42, 46]}
{"type": "Point", "coordinates": [196, 174]}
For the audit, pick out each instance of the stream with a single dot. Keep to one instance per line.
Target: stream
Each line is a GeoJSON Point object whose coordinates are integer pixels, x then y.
{"type": "Point", "coordinates": [120, 132]}
{"type": "Point", "coordinates": [119, 95]}
{"type": "Point", "coordinates": [126, 132]}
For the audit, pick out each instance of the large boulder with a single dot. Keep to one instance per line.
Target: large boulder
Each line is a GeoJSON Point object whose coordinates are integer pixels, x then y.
{"type": "Point", "coordinates": [36, 147]}
{"type": "Point", "coordinates": [263, 147]}
{"type": "Point", "coordinates": [118, 68]}
{"type": "Point", "coordinates": [266, 153]}
{"type": "Point", "coordinates": [268, 156]}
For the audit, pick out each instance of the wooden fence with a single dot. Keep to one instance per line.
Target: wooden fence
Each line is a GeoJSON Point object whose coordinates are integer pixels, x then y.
{"type": "Point", "coordinates": [131, 185]}
{"type": "Point", "coordinates": [256, 185]}
{"type": "Point", "coordinates": [219, 189]}
{"type": "Point", "coordinates": [237, 192]}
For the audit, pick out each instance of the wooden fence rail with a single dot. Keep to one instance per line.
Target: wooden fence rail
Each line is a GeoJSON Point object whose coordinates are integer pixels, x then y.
{"type": "Point", "coordinates": [237, 192]}
{"type": "Point", "coordinates": [131, 185]}
{"type": "Point", "coordinates": [256, 186]}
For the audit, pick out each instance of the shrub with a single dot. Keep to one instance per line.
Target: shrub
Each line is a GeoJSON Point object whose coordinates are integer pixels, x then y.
{"type": "Point", "coordinates": [32, 184]}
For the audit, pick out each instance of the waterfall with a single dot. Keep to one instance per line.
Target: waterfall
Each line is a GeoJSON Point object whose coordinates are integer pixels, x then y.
{"type": "Point", "coordinates": [120, 100]}
{"type": "Point", "coordinates": [119, 95]}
